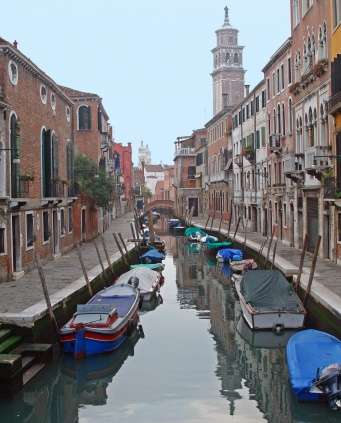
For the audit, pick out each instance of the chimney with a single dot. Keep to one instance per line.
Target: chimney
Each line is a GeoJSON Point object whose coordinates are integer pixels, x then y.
{"type": "Point", "coordinates": [15, 44]}
{"type": "Point", "coordinates": [247, 90]}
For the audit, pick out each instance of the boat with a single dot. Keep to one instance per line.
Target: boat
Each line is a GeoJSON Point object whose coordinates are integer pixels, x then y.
{"type": "Point", "coordinates": [229, 254]}
{"type": "Point", "coordinates": [268, 301]}
{"type": "Point", "coordinates": [209, 239]}
{"type": "Point", "coordinates": [103, 323]}
{"type": "Point", "coordinates": [173, 223]}
{"type": "Point", "coordinates": [194, 234]}
{"type": "Point", "coordinates": [148, 282]}
{"type": "Point", "coordinates": [243, 266]}
{"type": "Point", "coordinates": [158, 267]}
{"type": "Point", "coordinates": [314, 362]}
{"type": "Point", "coordinates": [215, 247]}
{"type": "Point", "coordinates": [152, 256]}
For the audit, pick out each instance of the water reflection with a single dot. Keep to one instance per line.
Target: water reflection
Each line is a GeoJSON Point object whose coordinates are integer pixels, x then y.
{"type": "Point", "coordinates": [199, 362]}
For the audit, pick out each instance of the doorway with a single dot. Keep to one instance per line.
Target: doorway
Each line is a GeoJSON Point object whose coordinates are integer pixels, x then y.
{"type": "Point", "coordinates": [2, 170]}
{"type": "Point", "coordinates": [312, 222]}
{"type": "Point", "coordinates": [193, 203]}
{"type": "Point", "coordinates": [292, 226]}
{"type": "Point", "coordinates": [55, 232]}
{"type": "Point", "coordinates": [16, 254]}
{"type": "Point", "coordinates": [326, 236]}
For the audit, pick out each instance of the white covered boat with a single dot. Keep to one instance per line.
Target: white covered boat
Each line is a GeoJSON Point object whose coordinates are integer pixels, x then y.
{"type": "Point", "coordinates": [147, 281]}
{"type": "Point", "coordinates": [268, 301]}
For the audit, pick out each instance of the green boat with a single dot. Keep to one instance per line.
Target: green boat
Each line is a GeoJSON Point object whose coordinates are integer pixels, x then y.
{"type": "Point", "coordinates": [216, 246]}
{"type": "Point", "coordinates": [152, 266]}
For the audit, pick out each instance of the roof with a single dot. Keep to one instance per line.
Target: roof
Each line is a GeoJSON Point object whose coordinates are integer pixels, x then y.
{"type": "Point", "coordinates": [278, 53]}
{"type": "Point", "coordinates": [32, 67]}
{"type": "Point", "coordinates": [78, 94]}
{"type": "Point", "coordinates": [153, 168]}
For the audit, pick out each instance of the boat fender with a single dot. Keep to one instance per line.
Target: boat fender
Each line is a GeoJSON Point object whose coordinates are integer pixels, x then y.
{"type": "Point", "coordinates": [278, 329]}
{"type": "Point", "coordinates": [141, 332]}
{"type": "Point", "coordinates": [329, 382]}
{"type": "Point", "coordinates": [134, 281]}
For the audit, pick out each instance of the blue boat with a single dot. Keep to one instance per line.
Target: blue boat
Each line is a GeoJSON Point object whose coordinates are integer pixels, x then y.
{"type": "Point", "coordinates": [102, 324]}
{"type": "Point", "coordinates": [152, 256]}
{"type": "Point", "coordinates": [314, 361]}
{"type": "Point", "coordinates": [229, 254]}
{"type": "Point", "coordinates": [173, 223]}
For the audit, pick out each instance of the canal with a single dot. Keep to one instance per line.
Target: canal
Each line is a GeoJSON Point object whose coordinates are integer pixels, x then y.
{"type": "Point", "coordinates": [197, 362]}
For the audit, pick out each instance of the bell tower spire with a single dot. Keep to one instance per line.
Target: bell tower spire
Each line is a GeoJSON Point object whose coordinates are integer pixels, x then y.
{"type": "Point", "coordinates": [227, 18]}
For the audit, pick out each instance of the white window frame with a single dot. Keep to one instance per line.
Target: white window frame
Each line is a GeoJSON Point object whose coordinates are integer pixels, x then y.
{"type": "Point", "coordinates": [31, 247]}
{"type": "Point", "coordinates": [10, 74]}
{"type": "Point", "coordinates": [42, 98]}
{"type": "Point", "coordinates": [3, 226]}
{"type": "Point", "coordinates": [336, 13]}
{"type": "Point", "coordinates": [53, 102]}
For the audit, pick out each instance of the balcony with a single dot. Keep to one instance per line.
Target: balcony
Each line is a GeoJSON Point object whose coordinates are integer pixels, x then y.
{"type": "Point", "coordinates": [219, 177]}
{"type": "Point", "coordinates": [188, 183]}
{"type": "Point", "coordinates": [21, 187]}
{"type": "Point", "coordinates": [293, 168]}
{"type": "Point", "coordinates": [186, 151]}
{"type": "Point", "coordinates": [317, 160]}
{"type": "Point", "coordinates": [275, 143]}
{"type": "Point", "coordinates": [238, 159]}
{"type": "Point", "coordinates": [55, 188]}
{"type": "Point", "coordinates": [334, 104]}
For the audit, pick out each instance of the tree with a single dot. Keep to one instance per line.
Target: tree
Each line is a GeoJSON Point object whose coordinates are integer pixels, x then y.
{"type": "Point", "coordinates": [93, 181]}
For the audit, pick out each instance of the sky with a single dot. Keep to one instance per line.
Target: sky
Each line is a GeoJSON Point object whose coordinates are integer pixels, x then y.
{"type": "Point", "coordinates": [150, 60]}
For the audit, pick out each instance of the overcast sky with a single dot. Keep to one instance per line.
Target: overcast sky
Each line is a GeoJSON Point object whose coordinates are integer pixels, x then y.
{"type": "Point", "coordinates": [150, 60]}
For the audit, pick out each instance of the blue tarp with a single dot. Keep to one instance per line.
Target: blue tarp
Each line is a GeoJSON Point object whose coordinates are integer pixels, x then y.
{"type": "Point", "coordinates": [230, 254]}
{"type": "Point", "coordinates": [152, 256]}
{"type": "Point", "coordinates": [307, 352]}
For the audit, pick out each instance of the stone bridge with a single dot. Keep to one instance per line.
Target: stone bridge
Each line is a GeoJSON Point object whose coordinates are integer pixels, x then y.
{"type": "Point", "coordinates": [160, 204]}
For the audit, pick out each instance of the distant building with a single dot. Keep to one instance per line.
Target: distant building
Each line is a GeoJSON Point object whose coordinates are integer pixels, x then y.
{"type": "Point", "coordinates": [123, 172]}
{"type": "Point", "coordinates": [153, 174]}
{"type": "Point", "coordinates": [144, 155]}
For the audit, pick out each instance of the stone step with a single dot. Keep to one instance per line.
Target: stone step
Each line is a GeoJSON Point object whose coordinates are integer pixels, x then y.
{"type": "Point", "coordinates": [10, 364]}
{"type": "Point", "coordinates": [9, 344]}
{"type": "Point", "coordinates": [27, 362]}
{"type": "Point", "coordinates": [42, 352]}
{"type": "Point", "coordinates": [33, 371]}
{"type": "Point", "coordinates": [4, 334]}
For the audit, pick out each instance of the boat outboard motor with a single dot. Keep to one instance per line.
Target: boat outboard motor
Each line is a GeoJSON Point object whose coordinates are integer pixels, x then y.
{"type": "Point", "coordinates": [329, 382]}
{"type": "Point", "coordinates": [134, 281]}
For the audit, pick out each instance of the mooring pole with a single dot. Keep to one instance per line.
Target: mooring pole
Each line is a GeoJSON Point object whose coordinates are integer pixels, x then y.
{"type": "Point", "coordinates": [99, 256]}
{"type": "Point", "coordinates": [312, 270]}
{"type": "Point", "coordinates": [106, 253]}
{"type": "Point", "coordinates": [151, 226]}
{"type": "Point", "coordinates": [274, 255]}
{"type": "Point", "coordinates": [237, 227]}
{"type": "Point", "coordinates": [85, 274]}
{"type": "Point", "coordinates": [300, 270]}
{"type": "Point", "coordinates": [212, 221]}
{"type": "Point", "coordinates": [133, 234]}
{"type": "Point", "coordinates": [245, 231]}
{"type": "Point", "coordinates": [220, 223]}
{"type": "Point", "coordinates": [45, 290]}
{"type": "Point", "coordinates": [124, 245]}
{"type": "Point", "coordinates": [270, 244]}
{"type": "Point", "coordinates": [208, 219]}
{"type": "Point", "coordinates": [230, 221]}
{"type": "Point", "coordinates": [191, 215]}
{"type": "Point", "coordinates": [120, 249]}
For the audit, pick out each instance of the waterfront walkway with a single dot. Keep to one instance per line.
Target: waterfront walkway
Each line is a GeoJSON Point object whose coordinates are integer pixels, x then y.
{"type": "Point", "coordinates": [326, 288]}
{"type": "Point", "coordinates": [20, 296]}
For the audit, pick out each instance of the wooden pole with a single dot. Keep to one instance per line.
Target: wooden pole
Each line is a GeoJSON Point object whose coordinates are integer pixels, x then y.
{"type": "Point", "coordinates": [312, 270]}
{"type": "Point", "coordinates": [245, 231]}
{"type": "Point", "coordinates": [151, 227]}
{"type": "Point", "coordinates": [191, 215]}
{"type": "Point", "coordinates": [271, 239]}
{"type": "Point", "coordinates": [208, 219]}
{"type": "Point", "coordinates": [263, 246]}
{"type": "Point", "coordinates": [300, 269]}
{"type": "Point", "coordinates": [237, 227]}
{"type": "Point", "coordinates": [133, 234]}
{"type": "Point", "coordinates": [120, 249]}
{"type": "Point", "coordinates": [106, 253]}
{"type": "Point", "coordinates": [45, 290]}
{"type": "Point", "coordinates": [212, 221]}
{"type": "Point", "coordinates": [86, 277]}
{"type": "Point", "coordinates": [220, 223]}
{"type": "Point", "coordinates": [99, 256]}
{"type": "Point", "coordinates": [124, 245]}
{"type": "Point", "coordinates": [230, 221]}
{"type": "Point", "coordinates": [274, 255]}
{"type": "Point", "coordinates": [137, 231]}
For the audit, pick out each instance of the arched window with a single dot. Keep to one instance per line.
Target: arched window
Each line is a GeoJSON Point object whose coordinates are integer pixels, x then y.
{"type": "Point", "coordinates": [84, 118]}
{"type": "Point", "coordinates": [279, 119]}
{"type": "Point", "coordinates": [15, 156]}
{"type": "Point", "coordinates": [69, 167]}
{"type": "Point", "coordinates": [290, 116]}
{"type": "Point", "coordinates": [2, 169]}
{"type": "Point", "coordinates": [236, 59]}
{"type": "Point", "coordinates": [283, 119]}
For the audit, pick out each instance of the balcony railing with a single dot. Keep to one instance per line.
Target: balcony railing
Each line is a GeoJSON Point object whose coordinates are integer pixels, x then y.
{"type": "Point", "coordinates": [317, 158]}
{"type": "Point", "coordinates": [218, 177]}
{"type": "Point", "coordinates": [188, 183]}
{"type": "Point", "coordinates": [275, 143]}
{"type": "Point", "coordinates": [238, 159]}
{"type": "Point", "coordinates": [54, 189]}
{"type": "Point", "coordinates": [21, 187]}
{"type": "Point", "coordinates": [329, 185]}
{"type": "Point", "coordinates": [334, 104]}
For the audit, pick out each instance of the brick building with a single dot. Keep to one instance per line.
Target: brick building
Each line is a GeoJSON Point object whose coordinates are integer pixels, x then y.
{"type": "Point", "coordinates": [36, 141]}
{"type": "Point", "coordinates": [123, 170]}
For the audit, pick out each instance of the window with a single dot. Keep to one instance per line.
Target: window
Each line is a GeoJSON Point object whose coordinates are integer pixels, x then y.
{"type": "Point", "coordinates": [199, 159]}
{"type": "Point", "coordinates": [53, 101]}
{"type": "Point", "coordinates": [278, 81]}
{"type": "Point", "coordinates": [257, 139]}
{"type": "Point", "coordinates": [282, 76]}
{"type": "Point", "coordinates": [191, 172]}
{"type": "Point", "coordinates": [337, 12]}
{"type": "Point", "coordinates": [285, 214]}
{"type": "Point", "coordinates": [2, 240]}
{"type": "Point", "coordinates": [289, 71]}
{"type": "Point", "coordinates": [263, 135]}
{"type": "Point", "coordinates": [84, 118]}
{"type": "Point", "coordinates": [257, 102]}
{"type": "Point", "coordinates": [263, 99]}
{"type": "Point", "coordinates": [252, 107]}
{"type": "Point", "coordinates": [290, 116]}
{"type": "Point", "coordinates": [68, 113]}
{"type": "Point", "coordinates": [273, 85]}
{"type": "Point", "coordinates": [283, 120]}
{"type": "Point", "coordinates": [279, 119]}
{"type": "Point", "coordinates": [268, 88]}
{"type": "Point", "coordinates": [70, 219]}
{"type": "Point", "coordinates": [247, 111]}
{"type": "Point", "coordinates": [29, 231]}
{"type": "Point", "coordinates": [306, 5]}
{"type": "Point", "coordinates": [62, 222]}
{"type": "Point", "coordinates": [339, 226]}
{"type": "Point", "coordinates": [13, 72]}
{"type": "Point", "coordinates": [43, 94]}
{"type": "Point", "coordinates": [46, 231]}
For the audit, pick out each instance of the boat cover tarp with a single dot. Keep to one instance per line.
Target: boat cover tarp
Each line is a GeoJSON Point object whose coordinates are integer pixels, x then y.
{"type": "Point", "coordinates": [194, 231]}
{"type": "Point", "coordinates": [230, 254]}
{"type": "Point", "coordinates": [122, 304]}
{"type": "Point", "coordinates": [218, 245]}
{"type": "Point", "coordinates": [151, 266]}
{"type": "Point", "coordinates": [147, 278]}
{"type": "Point", "coordinates": [268, 290]}
{"type": "Point", "coordinates": [153, 255]}
{"type": "Point", "coordinates": [209, 239]}
{"type": "Point", "coordinates": [308, 351]}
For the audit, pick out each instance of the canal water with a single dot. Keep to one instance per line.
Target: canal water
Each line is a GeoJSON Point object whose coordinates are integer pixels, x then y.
{"type": "Point", "coordinates": [197, 362]}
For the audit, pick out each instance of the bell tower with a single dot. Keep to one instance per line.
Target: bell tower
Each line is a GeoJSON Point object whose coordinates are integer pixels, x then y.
{"type": "Point", "coordinates": [228, 72]}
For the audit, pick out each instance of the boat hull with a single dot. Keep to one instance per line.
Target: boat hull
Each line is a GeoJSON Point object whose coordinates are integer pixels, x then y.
{"type": "Point", "coordinates": [258, 320]}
